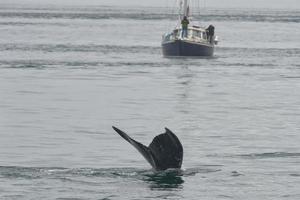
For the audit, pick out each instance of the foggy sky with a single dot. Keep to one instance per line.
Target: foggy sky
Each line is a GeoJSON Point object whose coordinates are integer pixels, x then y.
{"type": "Point", "coordinates": [207, 3]}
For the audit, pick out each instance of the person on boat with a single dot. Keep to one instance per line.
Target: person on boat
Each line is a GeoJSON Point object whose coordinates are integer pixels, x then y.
{"type": "Point", "coordinates": [210, 32]}
{"type": "Point", "coordinates": [184, 25]}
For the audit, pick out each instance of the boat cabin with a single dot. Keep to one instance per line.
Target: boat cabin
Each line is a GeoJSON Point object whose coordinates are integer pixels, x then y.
{"type": "Point", "coordinates": [194, 33]}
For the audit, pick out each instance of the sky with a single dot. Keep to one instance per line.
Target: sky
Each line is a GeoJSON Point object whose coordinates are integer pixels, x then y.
{"type": "Point", "coordinates": [295, 4]}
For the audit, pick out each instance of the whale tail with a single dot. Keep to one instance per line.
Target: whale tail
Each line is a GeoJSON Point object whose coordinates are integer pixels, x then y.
{"type": "Point", "coordinates": [164, 152]}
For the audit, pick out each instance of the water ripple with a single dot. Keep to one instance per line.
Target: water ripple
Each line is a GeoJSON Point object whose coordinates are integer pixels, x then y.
{"type": "Point", "coordinates": [151, 14]}
{"type": "Point", "coordinates": [270, 155]}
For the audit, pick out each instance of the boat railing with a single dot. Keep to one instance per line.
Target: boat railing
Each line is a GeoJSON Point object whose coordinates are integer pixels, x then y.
{"type": "Point", "coordinates": [194, 34]}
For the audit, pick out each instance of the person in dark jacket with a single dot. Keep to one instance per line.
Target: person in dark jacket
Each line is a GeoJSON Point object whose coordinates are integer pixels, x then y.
{"type": "Point", "coordinates": [210, 32]}
{"type": "Point", "coordinates": [184, 25]}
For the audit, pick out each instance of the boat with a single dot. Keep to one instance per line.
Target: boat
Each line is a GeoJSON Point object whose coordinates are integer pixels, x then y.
{"type": "Point", "coordinates": [192, 40]}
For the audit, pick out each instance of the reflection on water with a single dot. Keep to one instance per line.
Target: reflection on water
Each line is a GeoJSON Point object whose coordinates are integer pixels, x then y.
{"type": "Point", "coordinates": [164, 180]}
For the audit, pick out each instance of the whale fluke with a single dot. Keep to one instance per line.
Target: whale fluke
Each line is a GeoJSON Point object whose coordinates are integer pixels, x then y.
{"type": "Point", "coordinates": [164, 152]}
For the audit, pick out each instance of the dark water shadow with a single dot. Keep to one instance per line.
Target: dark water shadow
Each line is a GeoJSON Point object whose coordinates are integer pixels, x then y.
{"type": "Point", "coordinates": [191, 57]}
{"type": "Point", "coordinates": [170, 179]}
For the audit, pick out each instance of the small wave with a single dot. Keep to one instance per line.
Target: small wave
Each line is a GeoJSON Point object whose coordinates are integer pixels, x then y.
{"type": "Point", "coordinates": [290, 77]}
{"type": "Point", "coordinates": [79, 48]}
{"type": "Point", "coordinates": [236, 173]}
{"type": "Point", "coordinates": [39, 172]}
{"type": "Point", "coordinates": [143, 13]}
{"type": "Point", "coordinates": [92, 15]}
{"type": "Point", "coordinates": [295, 175]}
{"type": "Point", "coordinates": [43, 64]}
{"type": "Point", "coordinates": [273, 18]}
{"type": "Point", "coordinates": [18, 23]}
{"type": "Point", "coordinates": [270, 155]}
{"type": "Point", "coordinates": [108, 49]}
{"type": "Point", "coordinates": [266, 155]}
{"type": "Point", "coordinates": [261, 51]}
{"type": "Point", "coordinates": [26, 66]}
{"type": "Point", "coordinates": [239, 64]}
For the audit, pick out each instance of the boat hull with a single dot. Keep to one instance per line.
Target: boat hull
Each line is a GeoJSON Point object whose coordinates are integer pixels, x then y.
{"type": "Point", "coordinates": [186, 48]}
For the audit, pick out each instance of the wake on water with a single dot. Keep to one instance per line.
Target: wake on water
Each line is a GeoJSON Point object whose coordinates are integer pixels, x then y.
{"type": "Point", "coordinates": [171, 178]}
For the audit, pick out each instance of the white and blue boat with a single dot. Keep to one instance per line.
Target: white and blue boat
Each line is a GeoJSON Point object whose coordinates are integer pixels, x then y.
{"type": "Point", "coordinates": [197, 41]}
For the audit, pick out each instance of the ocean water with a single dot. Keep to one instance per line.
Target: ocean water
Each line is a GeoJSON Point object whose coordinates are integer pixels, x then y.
{"type": "Point", "coordinates": [68, 73]}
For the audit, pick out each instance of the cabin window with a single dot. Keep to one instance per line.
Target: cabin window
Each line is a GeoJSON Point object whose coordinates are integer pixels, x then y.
{"type": "Point", "coordinates": [204, 35]}
{"type": "Point", "coordinates": [195, 34]}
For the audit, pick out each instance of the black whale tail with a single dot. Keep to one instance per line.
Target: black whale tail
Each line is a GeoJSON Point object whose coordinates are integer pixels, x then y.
{"type": "Point", "coordinates": [164, 152]}
{"type": "Point", "coordinates": [145, 151]}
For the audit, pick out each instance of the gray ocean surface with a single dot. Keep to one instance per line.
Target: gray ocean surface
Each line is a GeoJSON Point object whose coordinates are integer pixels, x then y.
{"type": "Point", "coordinates": [67, 74]}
